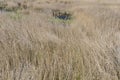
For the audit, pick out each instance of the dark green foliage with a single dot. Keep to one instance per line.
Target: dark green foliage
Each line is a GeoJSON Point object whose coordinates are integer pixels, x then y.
{"type": "Point", "coordinates": [64, 15]}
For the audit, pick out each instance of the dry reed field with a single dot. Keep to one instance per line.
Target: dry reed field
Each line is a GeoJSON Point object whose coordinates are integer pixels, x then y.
{"type": "Point", "coordinates": [59, 40]}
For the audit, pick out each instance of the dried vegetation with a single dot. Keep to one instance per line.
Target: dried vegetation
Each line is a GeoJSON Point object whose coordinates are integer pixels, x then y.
{"type": "Point", "coordinates": [33, 46]}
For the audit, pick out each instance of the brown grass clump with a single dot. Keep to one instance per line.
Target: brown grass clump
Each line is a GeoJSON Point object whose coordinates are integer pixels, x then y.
{"type": "Point", "coordinates": [36, 46]}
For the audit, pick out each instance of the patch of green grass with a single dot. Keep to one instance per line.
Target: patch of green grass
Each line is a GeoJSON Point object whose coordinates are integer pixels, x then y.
{"type": "Point", "coordinates": [57, 20]}
{"type": "Point", "coordinates": [15, 15]}
{"type": "Point", "coordinates": [78, 77]}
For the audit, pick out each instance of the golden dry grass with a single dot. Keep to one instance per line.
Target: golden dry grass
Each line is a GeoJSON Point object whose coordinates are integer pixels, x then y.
{"type": "Point", "coordinates": [36, 46]}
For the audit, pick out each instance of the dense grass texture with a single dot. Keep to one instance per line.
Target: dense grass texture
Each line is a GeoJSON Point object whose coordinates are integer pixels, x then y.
{"type": "Point", "coordinates": [36, 46]}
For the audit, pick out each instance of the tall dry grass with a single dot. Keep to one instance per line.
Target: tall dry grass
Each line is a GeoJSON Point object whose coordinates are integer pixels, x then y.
{"type": "Point", "coordinates": [36, 46]}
